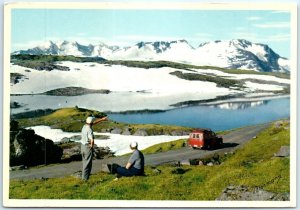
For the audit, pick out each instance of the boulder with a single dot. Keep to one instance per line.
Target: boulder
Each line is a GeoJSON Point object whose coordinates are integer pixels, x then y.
{"type": "Point", "coordinates": [185, 162]}
{"type": "Point", "coordinates": [126, 131]}
{"type": "Point", "coordinates": [72, 152]}
{"type": "Point", "coordinates": [141, 132]}
{"type": "Point", "coordinates": [116, 131]}
{"type": "Point", "coordinates": [65, 140]}
{"type": "Point", "coordinates": [201, 163]}
{"type": "Point", "coordinates": [29, 149]}
{"type": "Point", "coordinates": [244, 193]}
{"type": "Point", "coordinates": [284, 151]}
{"type": "Point", "coordinates": [15, 168]}
{"type": "Point", "coordinates": [102, 152]}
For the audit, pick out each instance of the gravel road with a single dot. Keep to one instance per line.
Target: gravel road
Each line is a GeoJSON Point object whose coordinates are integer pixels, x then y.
{"type": "Point", "coordinates": [232, 141]}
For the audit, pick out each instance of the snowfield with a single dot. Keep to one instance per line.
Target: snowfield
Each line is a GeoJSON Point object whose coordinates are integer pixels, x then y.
{"type": "Point", "coordinates": [132, 88]}
{"type": "Point", "coordinates": [114, 78]}
{"type": "Point", "coordinates": [119, 144]}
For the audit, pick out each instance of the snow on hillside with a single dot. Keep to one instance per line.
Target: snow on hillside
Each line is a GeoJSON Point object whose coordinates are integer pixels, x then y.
{"type": "Point", "coordinates": [132, 88]}
{"type": "Point", "coordinates": [236, 54]}
{"type": "Point", "coordinates": [116, 142]}
{"type": "Point", "coordinates": [116, 78]}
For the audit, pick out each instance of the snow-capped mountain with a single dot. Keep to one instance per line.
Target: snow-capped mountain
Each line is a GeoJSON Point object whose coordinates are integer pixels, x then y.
{"type": "Point", "coordinates": [235, 54]}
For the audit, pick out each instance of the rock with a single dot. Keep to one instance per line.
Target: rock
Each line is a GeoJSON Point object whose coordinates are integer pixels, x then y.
{"type": "Point", "coordinates": [176, 133]}
{"type": "Point", "coordinates": [14, 168]}
{"type": "Point", "coordinates": [126, 131]}
{"type": "Point", "coordinates": [201, 163]}
{"type": "Point", "coordinates": [185, 162]}
{"type": "Point", "coordinates": [102, 152]}
{"type": "Point", "coordinates": [103, 130]}
{"type": "Point", "coordinates": [156, 171]}
{"type": "Point", "coordinates": [179, 133]}
{"type": "Point", "coordinates": [278, 124]}
{"type": "Point", "coordinates": [210, 164]}
{"type": "Point", "coordinates": [75, 138]}
{"type": "Point", "coordinates": [244, 193]}
{"type": "Point", "coordinates": [65, 140]}
{"type": "Point", "coordinates": [77, 174]}
{"type": "Point", "coordinates": [284, 151]}
{"type": "Point", "coordinates": [71, 152]}
{"type": "Point", "coordinates": [14, 105]}
{"type": "Point", "coordinates": [141, 132]}
{"type": "Point", "coordinates": [178, 170]}
{"type": "Point", "coordinates": [29, 149]}
{"type": "Point", "coordinates": [116, 131]}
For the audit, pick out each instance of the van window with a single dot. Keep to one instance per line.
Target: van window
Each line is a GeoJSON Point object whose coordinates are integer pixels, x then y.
{"type": "Point", "coordinates": [197, 135]}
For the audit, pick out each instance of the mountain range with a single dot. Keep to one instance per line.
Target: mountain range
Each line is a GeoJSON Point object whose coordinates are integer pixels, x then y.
{"type": "Point", "coordinates": [232, 54]}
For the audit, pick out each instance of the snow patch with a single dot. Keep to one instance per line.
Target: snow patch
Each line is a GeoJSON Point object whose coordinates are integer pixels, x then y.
{"type": "Point", "coordinates": [117, 143]}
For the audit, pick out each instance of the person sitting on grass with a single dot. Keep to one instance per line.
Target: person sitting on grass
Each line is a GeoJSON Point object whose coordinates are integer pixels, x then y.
{"type": "Point", "coordinates": [135, 165]}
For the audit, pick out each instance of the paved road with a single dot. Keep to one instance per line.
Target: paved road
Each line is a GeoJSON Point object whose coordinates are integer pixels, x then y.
{"type": "Point", "coordinates": [232, 141]}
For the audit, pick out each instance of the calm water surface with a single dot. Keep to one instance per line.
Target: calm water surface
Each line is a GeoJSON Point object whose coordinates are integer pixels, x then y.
{"type": "Point", "coordinates": [217, 117]}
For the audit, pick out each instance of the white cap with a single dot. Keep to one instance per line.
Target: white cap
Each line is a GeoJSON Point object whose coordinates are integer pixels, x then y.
{"type": "Point", "coordinates": [133, 144]}
{"type": "Point", "coordinates": [90, 120]}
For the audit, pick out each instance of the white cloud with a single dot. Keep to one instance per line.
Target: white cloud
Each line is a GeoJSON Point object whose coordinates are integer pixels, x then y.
{"type": "Point", "coordinates": [254, 37]}
{"type": "Point", "coordinates": [254, 18]}
{"type": "Point", "coordinates": [279, 37]}
{"type": "Point", "coordinates": [273, 25]}
{"type": "Point", "coordinates": [280, 11]}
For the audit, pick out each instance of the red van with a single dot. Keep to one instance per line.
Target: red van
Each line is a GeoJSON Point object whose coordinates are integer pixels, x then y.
{"type": "Point", "coordinates": [204, 138]}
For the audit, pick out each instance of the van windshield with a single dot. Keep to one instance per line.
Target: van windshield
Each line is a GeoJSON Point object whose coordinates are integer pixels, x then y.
{"type": "Point", "coordinates": [198, 136]}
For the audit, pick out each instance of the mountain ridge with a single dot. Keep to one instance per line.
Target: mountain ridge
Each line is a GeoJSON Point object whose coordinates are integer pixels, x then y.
{"type": "Point", "coordinates": [236, 53]}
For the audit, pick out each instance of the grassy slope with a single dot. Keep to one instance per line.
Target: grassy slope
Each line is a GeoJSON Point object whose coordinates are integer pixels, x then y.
{"type": "Point", "coordinates": [72, 119]}
{"type": "Point", "coordinates": [163, 147]}
{"type": "Point", "coordinates": [253, 166]}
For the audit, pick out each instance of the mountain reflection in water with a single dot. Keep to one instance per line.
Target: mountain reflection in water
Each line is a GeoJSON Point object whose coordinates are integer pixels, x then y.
{"type": "Point", "coordinates": [239, 105]}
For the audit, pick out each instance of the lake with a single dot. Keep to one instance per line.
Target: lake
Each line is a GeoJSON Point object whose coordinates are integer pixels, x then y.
{"type": "Point", "coordinates": [217, 117]}
{"type": "Point", "coordinates": [220, 116]}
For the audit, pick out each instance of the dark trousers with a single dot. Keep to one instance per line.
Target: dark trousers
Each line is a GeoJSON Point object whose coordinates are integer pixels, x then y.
{"type": "Point", "coordinates": [122, 171]}
{"type": "Point", "coordinates": [87, 158]}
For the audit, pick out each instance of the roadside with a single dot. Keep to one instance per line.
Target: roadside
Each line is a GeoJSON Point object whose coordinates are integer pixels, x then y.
{"type": "Point", "coordinates": [232, 141]}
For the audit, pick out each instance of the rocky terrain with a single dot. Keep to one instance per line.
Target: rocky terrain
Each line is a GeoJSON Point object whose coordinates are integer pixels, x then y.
{"type": "Point", "coordinates": [244, 193]}
{"type": "Point", "coordinates": [74, 91]}
{"type": "Point", "coordinates": [29, 149]}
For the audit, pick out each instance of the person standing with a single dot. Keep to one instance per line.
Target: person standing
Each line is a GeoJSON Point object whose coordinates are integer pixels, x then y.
{"type": "Point", "coordinates": [135, 165]}
{"type": "Point", "coordinates": [87, 144]}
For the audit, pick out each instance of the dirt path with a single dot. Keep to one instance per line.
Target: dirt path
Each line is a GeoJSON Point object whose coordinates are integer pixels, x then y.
{"type": "Point", "coordinates": [232, 141]}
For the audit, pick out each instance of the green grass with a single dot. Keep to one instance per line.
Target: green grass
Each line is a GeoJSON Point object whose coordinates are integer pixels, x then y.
{"type": "Point", "coordinates": [67, 119]}
{"type": "Point", "coordinates": [253, 165]}
{"type": "Point", "coordinates": [163, 147]}
{"type": "Point", "coordinates": [221, 82]}
{"type": "Point", "coordinates": [72, 119]}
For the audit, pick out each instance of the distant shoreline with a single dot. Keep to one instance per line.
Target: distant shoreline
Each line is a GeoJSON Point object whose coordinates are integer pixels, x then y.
{"type": "Point", "coordinates": [216, 101]}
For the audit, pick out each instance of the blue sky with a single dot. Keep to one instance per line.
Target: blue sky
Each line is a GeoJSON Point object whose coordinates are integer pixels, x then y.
{"type": "Point", "coordinates": [30, 27]}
